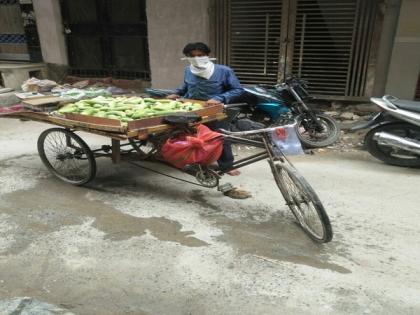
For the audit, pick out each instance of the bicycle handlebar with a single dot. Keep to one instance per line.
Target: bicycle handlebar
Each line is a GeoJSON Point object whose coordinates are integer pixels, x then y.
{"type": "Point", "coordinates": [253, 132]}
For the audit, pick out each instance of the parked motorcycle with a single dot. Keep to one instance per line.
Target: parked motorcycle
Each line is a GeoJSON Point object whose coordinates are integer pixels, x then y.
{"type": "Point", "coordinates": [272, 104]}
{"type": "Point", "coordinates": [394, 135]}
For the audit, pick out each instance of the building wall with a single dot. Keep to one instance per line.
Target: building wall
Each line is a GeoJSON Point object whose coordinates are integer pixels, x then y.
{"type": "Point", "coordinates": [50, 30]}
{"type": "Point", "coordinates": [171, 25]}
{"type": "Point", "coordinates": [12, 34]}
{"type": "Point", "coordinates": [405, 61]}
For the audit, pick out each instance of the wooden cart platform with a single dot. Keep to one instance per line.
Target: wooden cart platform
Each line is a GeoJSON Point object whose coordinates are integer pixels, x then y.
{"type": "Point", "coordinates": [139, 129]}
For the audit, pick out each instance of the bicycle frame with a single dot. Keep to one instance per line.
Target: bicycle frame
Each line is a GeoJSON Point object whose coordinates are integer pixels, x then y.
{"type": "Point", "coordinates": [265, 143]}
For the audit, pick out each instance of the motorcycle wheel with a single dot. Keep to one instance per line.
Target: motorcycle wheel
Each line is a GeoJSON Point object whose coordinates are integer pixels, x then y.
{"type": "Point", "coordinates": [310, 137]}
{"type": "Point", "coordinates": [392, 155]}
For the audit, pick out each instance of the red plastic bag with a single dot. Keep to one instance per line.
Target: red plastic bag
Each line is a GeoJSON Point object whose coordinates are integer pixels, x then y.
{"type": "Point", "coordinates": [11, 109]}
{"type": "Point", "coordinates": [203, 148]}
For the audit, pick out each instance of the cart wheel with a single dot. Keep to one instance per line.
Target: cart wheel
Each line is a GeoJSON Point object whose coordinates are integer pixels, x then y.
{"type": "Point", "coordinates": [67, 156]}
{"type": "Point", "coordinates": [304, 203]}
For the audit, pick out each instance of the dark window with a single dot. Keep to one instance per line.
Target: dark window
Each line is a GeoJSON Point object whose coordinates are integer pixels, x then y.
{"type": "Point", "coordinates": [107, 38]}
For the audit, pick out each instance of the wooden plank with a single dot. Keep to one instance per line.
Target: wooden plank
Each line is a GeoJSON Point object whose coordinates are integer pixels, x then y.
{"type": "Point", "coordinates": [145, 123]}
{"type": "Point", "coordinates": [45, 100]}
{"type": "Point", "coordinates": [94, 120]}
{"type": "Point", "coordinates": [143, 134]}
{"type": "Point", "coordinates": [77, 123]}
{"type": "Point", "coordinates": [116, 151]}
{"type": "Point", "coordinates": [45, 118]}
{"type": "Point", "coordinates": [156, 121]}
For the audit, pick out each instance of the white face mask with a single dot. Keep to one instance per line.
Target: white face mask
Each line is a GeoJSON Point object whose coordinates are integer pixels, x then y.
{"type": "Point", "coordinates": [199, 62]}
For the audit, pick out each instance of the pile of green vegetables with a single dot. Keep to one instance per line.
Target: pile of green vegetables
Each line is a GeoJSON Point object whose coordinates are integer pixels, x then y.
{"type": "Point", "coordinates": [127, 109]}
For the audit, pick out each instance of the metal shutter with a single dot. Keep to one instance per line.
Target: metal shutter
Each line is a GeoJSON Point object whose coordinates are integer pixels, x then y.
{"type": "Point", "coordinates": [254, 39]}
{"type": "Point", "coordinates": [332, 45]}
{"type": "Point", "coordinates": [417, 96]}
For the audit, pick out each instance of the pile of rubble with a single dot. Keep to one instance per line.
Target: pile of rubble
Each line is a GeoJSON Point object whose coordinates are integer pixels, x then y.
{"type": "Point", "coordinates": [7, 97]}
{"type": "Point", "coordinates": [347, 116]}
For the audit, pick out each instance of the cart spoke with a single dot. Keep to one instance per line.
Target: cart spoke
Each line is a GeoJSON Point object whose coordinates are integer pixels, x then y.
{"type": "Point", "coordinates": [66, 155]}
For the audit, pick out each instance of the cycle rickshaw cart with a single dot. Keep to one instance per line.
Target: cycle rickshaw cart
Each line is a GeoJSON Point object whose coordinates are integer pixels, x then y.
{"type": "Point", "coordinates": [68, 156]}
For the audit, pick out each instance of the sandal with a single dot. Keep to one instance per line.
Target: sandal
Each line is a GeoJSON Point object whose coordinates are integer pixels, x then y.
{"type": "Point", "coordinates": [236, 193]}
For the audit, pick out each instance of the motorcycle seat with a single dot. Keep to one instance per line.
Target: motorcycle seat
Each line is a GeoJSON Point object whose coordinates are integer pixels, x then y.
{"type": "Point", "coordinates": [407, 105]}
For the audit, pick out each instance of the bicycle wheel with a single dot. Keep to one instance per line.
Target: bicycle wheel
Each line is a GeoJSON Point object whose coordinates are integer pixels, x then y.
{"type": "Point", "coordinates": [303, 202]}
{"type": "Point", "coordinates": [67, 156]}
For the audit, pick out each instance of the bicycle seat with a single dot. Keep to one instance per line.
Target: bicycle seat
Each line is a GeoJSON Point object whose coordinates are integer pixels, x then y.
{"type": "Point", "coordinates": [181, 119]}
{"type": "Point", "coordinates": [407, 105]}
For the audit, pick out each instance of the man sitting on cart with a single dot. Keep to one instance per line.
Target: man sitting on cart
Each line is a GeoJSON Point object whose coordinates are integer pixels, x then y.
{"type": "Point", "coordinates": [215, 84]}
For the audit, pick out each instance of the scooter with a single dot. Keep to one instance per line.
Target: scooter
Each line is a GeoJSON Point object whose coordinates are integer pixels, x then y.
{"type": "Point", "coordinates": [394, 135]}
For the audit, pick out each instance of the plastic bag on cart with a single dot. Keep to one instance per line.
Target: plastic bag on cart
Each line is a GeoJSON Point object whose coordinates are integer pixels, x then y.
{"type": "Point", "coordinates": [285, 140]}
{"type": "Point", "coordinates": [204, 147]}
{"type": "Point", "coordinates": [37, 85]}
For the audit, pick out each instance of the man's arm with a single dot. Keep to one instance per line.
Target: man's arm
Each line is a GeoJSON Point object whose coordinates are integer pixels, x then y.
{"type": "Point", "coordinates": [233, 88]}
{"type": "Point", "coordinates": [179, 92]}
{"type": "Point", "coordinates": [183, 89]}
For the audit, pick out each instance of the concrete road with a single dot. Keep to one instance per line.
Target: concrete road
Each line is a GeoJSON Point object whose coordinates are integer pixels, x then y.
{"type": "Point", "coordinates": [136, 243]}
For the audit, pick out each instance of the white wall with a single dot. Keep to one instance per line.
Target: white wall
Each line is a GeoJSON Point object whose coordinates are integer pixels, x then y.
{"type": "Point", "coordinates": [171, 25]}
{"type": "Point", "coordinates": [405, 61]}
{"type": "Point", "coordinates": [50, 29]}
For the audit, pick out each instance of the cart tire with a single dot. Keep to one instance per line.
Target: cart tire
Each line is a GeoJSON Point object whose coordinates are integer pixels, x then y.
{"type": "Point", "coordinates": [67, 156]}
{"type": "Point", "coordinates": [303, 202]}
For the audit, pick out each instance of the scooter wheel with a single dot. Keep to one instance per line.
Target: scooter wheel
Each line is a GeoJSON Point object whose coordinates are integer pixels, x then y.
{"type": "Point", "coordinates": [392, 155]}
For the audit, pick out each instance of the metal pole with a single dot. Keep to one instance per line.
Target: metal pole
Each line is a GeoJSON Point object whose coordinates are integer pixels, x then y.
{"type": "Point", "coordinates": [267, 25]}
{"type": "Point", "coordinates": [389, 29]}
{"type": "Point", "coordinates": [302, 41]}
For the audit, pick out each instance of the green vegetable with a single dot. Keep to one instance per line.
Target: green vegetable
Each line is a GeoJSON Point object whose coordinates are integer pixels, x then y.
{"type": "Point", "coordinates": [68, 109]}
{"type": "Point", "coordinates": [126, 119]}
{"type": "Point", "coordinates": [116, 113]}
{"type": "Point", "coordinates": [126, 109]}
{"type": "Point", "coordinates": [89, 112]}
{"type": "Point", "coordinates": [100, 114]}
{"type": "Point", "coordinates": [164, 100]}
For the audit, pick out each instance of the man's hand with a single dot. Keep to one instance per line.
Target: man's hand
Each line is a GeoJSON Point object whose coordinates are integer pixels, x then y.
{"type": "Point", "coordinates": [173, 96]}
{"type": "Point", "coordinates": [213, 102]}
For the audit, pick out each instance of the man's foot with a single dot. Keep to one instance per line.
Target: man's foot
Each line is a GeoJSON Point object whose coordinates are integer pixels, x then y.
{"type": "Point", "coordinates": [236, 193]}
{"type": "Point", "coordinates": [234, 173]}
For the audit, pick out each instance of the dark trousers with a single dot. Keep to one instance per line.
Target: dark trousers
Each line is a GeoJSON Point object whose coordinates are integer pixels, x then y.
{"type": "Point", "coordinates": [226, 159]}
